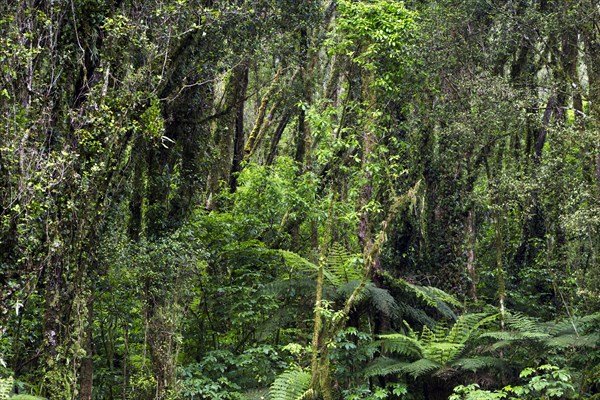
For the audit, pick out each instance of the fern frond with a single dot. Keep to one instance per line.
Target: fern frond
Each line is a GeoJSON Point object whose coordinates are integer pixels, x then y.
{"type": "Point", "coordinates": [478, 363]}
{"type": "Point", "coordinates": [415, 314]}
{"type": "Point", "coordinates": [512, 336]}
{"type": "Point", "coordinates": [572, 325]}
{"type": "Point", "coordinates": [344, 266]}
{"type": "Point", "coordinates": [299, 263]}
{"type": "Point", "coordinates": [290, 385]}
{"type": "Point", "coordinates": [428, 336]}
{"type": "Point", "coordinates": [573, 340]}
{"type": "Point", "coordinates": [6, 386]}
{"type": "Point", "coordinates": [465, 325]}
{"type": "Point", "coordinates": [431, 296]}
{"type": "Point", "coordinates": [444, 352]}
{"type": "Point", "coordinates": [522, 323]}
{"type": "Point", "coordinates": [382, 300]}
{"type": "Point", "coordinates": [386, 366]}
{"type": "Point", "coordinates": [437, 295]}
{"type": "Point", "coordinates": [383, 366]}
{"type": "Point", "coordinates": [401, 344]}
{"type": "Point", "coordinates": [420, 367]}
{"type": "Point", "coordinates": [347, 289]}
{"type": "Point", "coordinates": [501, 344]}
{"type": "Point", "coordinates": [309, 394]}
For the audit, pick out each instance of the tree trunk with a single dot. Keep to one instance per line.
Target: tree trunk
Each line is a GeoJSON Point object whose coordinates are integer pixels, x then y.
{"type": "Point", "coordinates": [471, 241]}
{"type": "Point", "coordinates": [238, 141]}
{"type": "Point", "coordinates": [87, 366]}
{"type": "Point", "coordinates": [285, 119]}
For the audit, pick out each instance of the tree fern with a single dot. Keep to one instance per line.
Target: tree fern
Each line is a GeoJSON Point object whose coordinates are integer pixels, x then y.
{"type": "Point", "coordinates": [378, 298]}
{"type": "Point", "coordinates": [579, 326]}
{"type": "Point", "coordinates": [291, 385]}
{"type": "Point", "coordinates": [561, 334]}
{"type": "Point", "coordinates": [416, 314]}
{"type": "Point", "coordinates": [382, 300]}
{"type": "Point", "coordinates": [466, 324]}
{"type": "Point", "coordinates": [435, 349]}
{"type": "Point", "coordinates": [521, 323]}
{"type": "Point", "coordinates": [430, 296]}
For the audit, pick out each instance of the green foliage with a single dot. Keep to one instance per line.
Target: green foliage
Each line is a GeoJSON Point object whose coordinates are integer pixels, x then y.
{"type": "Point", "coordinates": [270, 198]}
{"type": "Point", "coordinates": [428, 296]}
{"type": "Point", "coordinates": [568, 333]}
{"type": "Point", "coordinates": [544, 382]}
{"type": "Point", "coordinates": [6, 391]}
{"type": "Point", "coordinates": [206, 388]}
{"type": "Point", "coordinates": [376, 392]}
{"type": "Point", "coordinates": [6, 386]}
{"type": "Point", "coordinates": [376, 35]}
{"type": "Point", "coordinates": [118, 123]}
{"type": "Point", "coordinates": [291, 385]}
{"type": "Point", "coordinates": [350, 352]}
{"type": "Point", "coordinates": [434, 350]}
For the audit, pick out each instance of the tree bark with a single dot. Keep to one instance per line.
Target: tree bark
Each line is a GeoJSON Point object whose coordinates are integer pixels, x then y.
{"type": "Point", "coordinates": [285, 119]}
{"type": "Point", "coordinates": [87, 365]}
{"type": "Point", "coordinates": [471, 241]}
{"type": "Point", "coordinates": [238, 141]}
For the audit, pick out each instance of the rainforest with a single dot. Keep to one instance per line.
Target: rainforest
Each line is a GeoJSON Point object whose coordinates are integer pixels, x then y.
{"type": "Point", "coordinates": [299, 200]}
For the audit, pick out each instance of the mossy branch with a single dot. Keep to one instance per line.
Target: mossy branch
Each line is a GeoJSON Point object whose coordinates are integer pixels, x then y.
{"type": "Point", "coordinates": [260, 117]}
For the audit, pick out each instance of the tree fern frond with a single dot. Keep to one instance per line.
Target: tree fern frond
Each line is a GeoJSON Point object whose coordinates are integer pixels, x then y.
{"type": "Point", "coordinates": [420, 367]}
{"type": "Point", "coordinates": [344, 266]}
{"type": "Point", "coordinates": [309, 394]}
{"type": "Point", "coordinates": [299, 263]}
{"type": "Point", "coordinates": [431, 296]}
{"type": "Point", "coordinates": [573, 340]}
{"type": "Point", "coordinates": [564, 326]}
{"type": "Point", "coordinates": [443, 352]}
{"type": "Point", "coordinates": [509, 336]}
{"type": "Point", "coordinates": [522, 323]}
{"type": "Point", "coordinates": [383, 366]}
{"type": "Point", "coordinates": [382, 300]}
{"type": "Point", "coordinates": [401, 344]}
{"type": "Point", "coordinates": [345, 290]}
{"type": "Point", "coordinates": [478, 363]}
{"type": "Point", "coordinates": [290, 385]}
{"type": "Point", "coordinates": [415, 314]}
{"type": "Point", "coordinates": [386, 366]}
{"type": "Point", "coordinates": [572, 325]}
{"type": "Point", "coordinates": [466, 324]}
{"type": "Point", "coordinates": [501, 344]}
{"type": "Point", "coordinates": [438, 295]}
{"type": "Point", "coordinates": [428, 336]}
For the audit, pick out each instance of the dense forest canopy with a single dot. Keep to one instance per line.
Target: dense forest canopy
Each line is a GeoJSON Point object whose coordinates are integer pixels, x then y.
{"type": "Point", "coordinates": [318, 199]}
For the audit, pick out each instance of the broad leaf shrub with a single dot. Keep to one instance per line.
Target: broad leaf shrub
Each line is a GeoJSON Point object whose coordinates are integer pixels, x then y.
{"type": "Point", "coordinates": [544, 382]}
